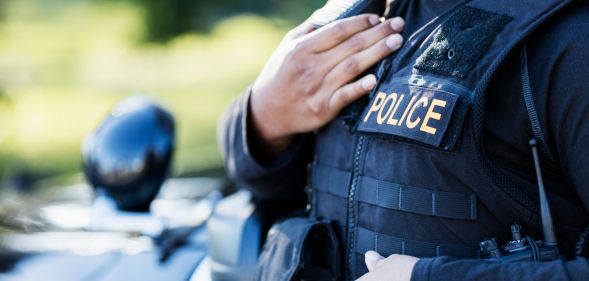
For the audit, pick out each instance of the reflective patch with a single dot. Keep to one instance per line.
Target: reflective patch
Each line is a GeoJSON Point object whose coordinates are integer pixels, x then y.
{"type": "Point", "coordinates": [426, 110]}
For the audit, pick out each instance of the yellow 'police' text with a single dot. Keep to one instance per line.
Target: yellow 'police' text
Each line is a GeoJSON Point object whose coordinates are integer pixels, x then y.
{"type": "Point", "coordinates": [387, 110]}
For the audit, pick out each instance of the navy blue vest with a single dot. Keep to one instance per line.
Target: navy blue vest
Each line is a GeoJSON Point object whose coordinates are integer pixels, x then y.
{"type": "Point", "coordinates": [411, 176]}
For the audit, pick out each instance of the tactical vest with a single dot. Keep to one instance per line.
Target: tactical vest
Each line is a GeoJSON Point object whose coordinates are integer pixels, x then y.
{"type": "Point", "coordinates": [410, 176]}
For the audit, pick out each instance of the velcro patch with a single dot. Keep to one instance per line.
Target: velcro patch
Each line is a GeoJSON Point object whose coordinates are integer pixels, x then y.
{"type": "Point", "coordinates": [461, 42]}
{"type": "Point", "coordinates": [429, 112]}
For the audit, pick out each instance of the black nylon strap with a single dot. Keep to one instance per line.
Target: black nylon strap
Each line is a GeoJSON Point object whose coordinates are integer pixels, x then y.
{"type": "Point", "coordinates": [396, 196]}
{"type": "Point", "coordinates": [330, 180]}
{"type": "Point", "coordinates": [418, 200]}
{"type": "Point", "coordinates": [368, 240]}
{"type": "Point", "coordinates": [530, 106]}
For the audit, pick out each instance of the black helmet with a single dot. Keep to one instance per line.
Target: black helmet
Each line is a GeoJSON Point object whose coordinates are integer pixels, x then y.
{"type": "Point", "coordinates": [128, 156]}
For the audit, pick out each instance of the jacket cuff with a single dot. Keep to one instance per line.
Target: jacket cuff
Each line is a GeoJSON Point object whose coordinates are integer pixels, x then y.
{"type": "Point", "coordinates": [422, 269]}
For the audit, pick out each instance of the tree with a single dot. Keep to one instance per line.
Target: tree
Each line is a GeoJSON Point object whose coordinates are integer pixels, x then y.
{"type": "Point", "coordinates": [165, 19]}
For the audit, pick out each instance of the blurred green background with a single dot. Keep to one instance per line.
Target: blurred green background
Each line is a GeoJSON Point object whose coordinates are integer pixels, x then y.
{"type": "Point", "coordinates": [64, 63]}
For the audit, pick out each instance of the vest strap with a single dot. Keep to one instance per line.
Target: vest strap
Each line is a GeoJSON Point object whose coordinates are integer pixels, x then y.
{"type": "Point", "coordinates": [530, 104]}
{"type": "Point", "coordinates": [396, 196]}
{"type": "Point", "coordinates": [330, 180]}
{"type": "Point", "coordinates": [368, 240]}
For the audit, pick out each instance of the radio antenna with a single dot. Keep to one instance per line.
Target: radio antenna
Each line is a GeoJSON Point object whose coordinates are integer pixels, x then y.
{"type": "Point", "coordinates": [545, 216]}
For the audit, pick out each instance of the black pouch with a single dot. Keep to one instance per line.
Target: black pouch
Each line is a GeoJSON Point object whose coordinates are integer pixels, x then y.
{"type": "Point", "coordinates": [300, 249]}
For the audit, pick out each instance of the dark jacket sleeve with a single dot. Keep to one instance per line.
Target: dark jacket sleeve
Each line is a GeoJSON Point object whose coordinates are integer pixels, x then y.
{"type": "Point", "coordinates": [444, 268]}
{"type": "Point", "coordinates": [560, 62]}
{"type": "Point", "coordinates": [284, 179]}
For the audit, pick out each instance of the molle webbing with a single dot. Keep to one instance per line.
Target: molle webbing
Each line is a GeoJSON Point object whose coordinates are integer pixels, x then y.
{"type": "Point", "coordinates": [386, 245]}
{"type": "Point", "coordinates": [396, 196]}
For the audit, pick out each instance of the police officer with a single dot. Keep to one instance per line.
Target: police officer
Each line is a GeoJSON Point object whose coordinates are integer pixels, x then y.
{"type": "Point", "coordinates": [427, 155]}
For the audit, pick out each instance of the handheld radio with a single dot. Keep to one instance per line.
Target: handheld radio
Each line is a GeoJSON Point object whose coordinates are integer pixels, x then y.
{"type": "Point", "coordinates": [526, 248]}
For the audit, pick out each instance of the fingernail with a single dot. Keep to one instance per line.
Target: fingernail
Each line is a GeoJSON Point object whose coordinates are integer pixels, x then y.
{"type": "Point", "coordinates": [394, 41]}
{"type": "Point", "coordinates": [369, 82]}
{"type": "Point", "coordinates": [373, 256]}
{"type": "Point", "coordinates": [371, 259]}
{"type": "Point", "coordinates": [374, 20]}
{"type": "Point", "coordinates": [397, 23]}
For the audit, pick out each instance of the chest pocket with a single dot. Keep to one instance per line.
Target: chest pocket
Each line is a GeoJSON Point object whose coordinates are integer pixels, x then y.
{"type": "Point", "coordinates": [421, 109]}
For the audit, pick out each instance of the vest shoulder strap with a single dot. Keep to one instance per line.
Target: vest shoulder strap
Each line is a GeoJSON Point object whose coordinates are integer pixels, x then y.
{"type": "Point", "coordinates": [528, 96]}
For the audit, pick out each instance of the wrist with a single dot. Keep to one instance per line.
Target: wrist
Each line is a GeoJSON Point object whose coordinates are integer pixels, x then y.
{"type": "Point", "coordinates": [265, 118]}
{"type": "Point", "coordinates": [268, 137]}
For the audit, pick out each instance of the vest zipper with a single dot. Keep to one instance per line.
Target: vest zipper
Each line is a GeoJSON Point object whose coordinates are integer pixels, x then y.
{"type": "Point", "coordinates": [351, 235]}
{"type": "Point", "coordinates": [352, 191]}
{"type": "Point", "coordinates": [382, 71]}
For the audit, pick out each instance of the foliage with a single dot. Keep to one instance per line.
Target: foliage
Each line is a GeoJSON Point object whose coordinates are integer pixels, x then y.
{"type": "Point", "coordinates": [63, 67]}
{"type": "Point", "coordinates": [165, 19]}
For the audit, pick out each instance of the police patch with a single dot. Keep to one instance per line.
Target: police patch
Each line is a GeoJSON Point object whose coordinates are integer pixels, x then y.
{"type": "Point", "coordinates": [421, 109]}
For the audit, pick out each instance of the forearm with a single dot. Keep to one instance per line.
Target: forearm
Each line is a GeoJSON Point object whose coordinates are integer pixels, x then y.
{"type": "Point", "coordinates": [443, 268]}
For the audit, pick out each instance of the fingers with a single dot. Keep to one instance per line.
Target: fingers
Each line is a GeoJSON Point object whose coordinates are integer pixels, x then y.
{"type": "Point", "coordinates": [372, 258]}
{"type": "Point", "coordinates": [338, 31]}
{"type": "Point", "coordinates": [351, 92]}
{"type": "Point", "coordinates": [384, 260]}
{"type": "Point", "coordinates": [354, 65]}
{"type": "Point", "coordinates": [300, 30]}
{"type": "Point", "coordinates": [394, 267]}
{"type": "Point", "coordinates": [363, 40]}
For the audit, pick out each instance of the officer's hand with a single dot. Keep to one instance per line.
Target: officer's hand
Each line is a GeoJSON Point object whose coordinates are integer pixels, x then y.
{"type": "Point", "coordinates": [393, 268]}
{"type": "Point", "coordinates": [309, 78]}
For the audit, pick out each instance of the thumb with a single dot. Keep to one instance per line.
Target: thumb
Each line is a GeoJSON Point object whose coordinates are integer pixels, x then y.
{"type": "Point", "coordinates": [372, 258]}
